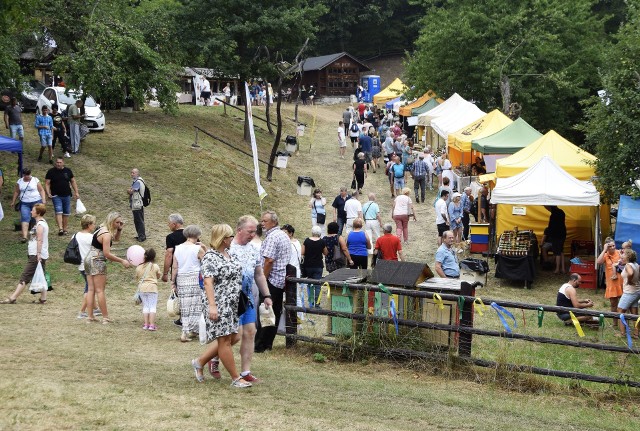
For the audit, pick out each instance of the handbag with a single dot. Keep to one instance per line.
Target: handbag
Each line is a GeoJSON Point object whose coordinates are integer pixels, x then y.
{"type": "Point", "coordinates": [72, 252]}
{"type": "Point", "coordinates": [243, 303]}
{"type": "Point", "coordinates": [173, 305]}
{"type": "Point", "coordinates": [353, 183]}
{"type": "Point", "coordinates": [321, 218]}
{"type": "Point", "coordinates": [16, 206]}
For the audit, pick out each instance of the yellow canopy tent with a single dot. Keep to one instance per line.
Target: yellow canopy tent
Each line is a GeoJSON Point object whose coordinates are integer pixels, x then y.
{"type": "Point", "coordinates": [393, 90]}
{"type": "Point", "coordinates": [459, 142]}
{"type": "Point", "coordinates": [405, 111]}
{"type": "Point", "coordinates": [579, 220]}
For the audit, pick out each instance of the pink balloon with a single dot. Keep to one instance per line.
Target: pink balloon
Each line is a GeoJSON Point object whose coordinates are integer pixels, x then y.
{"type": "Point", "coordinates": [135, 254]}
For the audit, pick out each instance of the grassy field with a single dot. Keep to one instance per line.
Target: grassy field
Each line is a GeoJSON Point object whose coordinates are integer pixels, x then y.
{"type": "Point", "coordinates": [60, 373]}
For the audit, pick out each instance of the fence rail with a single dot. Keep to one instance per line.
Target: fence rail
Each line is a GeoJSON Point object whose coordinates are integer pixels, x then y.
{"type": "Point", "coordinates": [465, 328]}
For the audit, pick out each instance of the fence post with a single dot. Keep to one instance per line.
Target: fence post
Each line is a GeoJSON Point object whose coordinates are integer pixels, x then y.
{"type": "Point", "coordinates": [464, 341]}
{"type": "Point", "coordinates": [291, 318]}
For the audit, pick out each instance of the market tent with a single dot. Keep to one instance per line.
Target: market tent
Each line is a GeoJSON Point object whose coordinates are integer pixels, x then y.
{"type": "Point", "coordinates": [628, 222]}
{"type": "Point", "coordinates": [459, 142]}
{"type": "Point", "coordinates": [464, 115]}
{"type": "Point", "coordinates": [389, 105]}
{"type": "Point", "coordinates": [392, 91]}
{"type": "Point", "coordinates": [450, 105]}
{"type": "Point", "coordinates": [545, 183]}
{"type": "Point", "coordinates": [431, 103]}
{"type": "Point", "coordinates": [12, 146]}
{"type": "Point", "coordinates": [570, 157]}
{"type": "Point", "coordinates": [454, 106]}
{"type": "Point", "coordinates": [406, 111]}
{"type": "Point", "coordinates": [509, 140]}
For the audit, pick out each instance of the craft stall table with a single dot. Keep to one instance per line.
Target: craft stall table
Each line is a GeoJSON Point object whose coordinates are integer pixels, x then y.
{"type": "Point", "coordinates": [516, 256]}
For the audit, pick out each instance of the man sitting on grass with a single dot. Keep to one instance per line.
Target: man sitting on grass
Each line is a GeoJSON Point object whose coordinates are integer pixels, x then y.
{"type": "Point", "coordinates": [568, 297]}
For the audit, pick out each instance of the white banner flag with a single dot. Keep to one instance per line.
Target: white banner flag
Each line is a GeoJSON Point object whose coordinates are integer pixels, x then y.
{"type": "Point", "coordinates": [254, 147]}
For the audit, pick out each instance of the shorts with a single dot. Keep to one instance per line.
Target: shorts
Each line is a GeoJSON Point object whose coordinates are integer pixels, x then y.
{"type": "Point", "coordinates": [95, 263]}
{"type": "Point", "coordinates": [442, 228]}
{"type": "Point", "coordinates": [46, 140]}
{"type": "Point", "coordinates": [342, 144]}
{"type": "Point", "coordinates": [249, 316]}
{"type": "Point", "coordinates": [565, 317]}
{"type": "Point", "coordinates": [86, 283]}
{"type": "Point", "coordinates": [629, 300]}
{"type": "Point", "coordinates": [557, 245]}
{"type": "Point", "coordinates": [353, 138]}
{"type": "Point", "coordinates": [398, 183]}
{"type": "Point", "coordinates": [25, 210]}
{"type": "Point", "coordinates": [30, 269]}
{"type": "Point", "coordinates": [62, 204]}
{"type": "Point", "coordinates": [205, 94]}
{"type": "Point", "coordinates": [16, 130]}
{"type": "Point", "coordinates": [367, 156]}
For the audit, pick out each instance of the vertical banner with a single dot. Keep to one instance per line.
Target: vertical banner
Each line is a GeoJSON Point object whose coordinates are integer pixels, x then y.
{"type": "Point", "coordinates": [254, 147]}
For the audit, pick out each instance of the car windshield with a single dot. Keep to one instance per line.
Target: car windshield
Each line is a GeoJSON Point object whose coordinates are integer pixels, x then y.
{"type": "Point", "coordinates": [69, 99]}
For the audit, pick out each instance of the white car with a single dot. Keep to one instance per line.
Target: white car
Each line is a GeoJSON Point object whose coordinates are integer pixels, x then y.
{"type": "Point", "coordinates": [94, 119]}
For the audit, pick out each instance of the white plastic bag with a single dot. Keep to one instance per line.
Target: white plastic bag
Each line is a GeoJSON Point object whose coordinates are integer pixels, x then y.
{"type": "Point", "coordinates": [80, 208]}
{"type": "Point", "coordinates": [1, 212]}
{"type": "Point", "coordinates": [173, 305]}
{"type": "Point", "coordinates": [267, 316]}
{"type": "Point", "coordinates": [202, 330]}
{"type": "Point", "coordinates": [39, 281]}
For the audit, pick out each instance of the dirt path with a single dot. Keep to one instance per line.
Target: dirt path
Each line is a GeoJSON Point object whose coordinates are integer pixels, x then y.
{"type": "Point", "coordinates": [318, 158]}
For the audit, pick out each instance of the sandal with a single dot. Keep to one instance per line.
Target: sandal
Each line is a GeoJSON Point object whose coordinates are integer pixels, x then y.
{"type": "Point", "coordinates": [8, 301]}
{"type": "Point", "coordinates": [240, 383]}
{"type": "Point", "coordinates": [197, 369]}
{"type": "Point", "coordinates": [106, 321]}
{"type": "Point", "coordinates": [60, 232]}
{"type": "Point", "coordinates": [39, 301]}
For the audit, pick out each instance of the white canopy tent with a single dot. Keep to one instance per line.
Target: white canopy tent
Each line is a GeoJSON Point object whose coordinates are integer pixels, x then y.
{"type": "Point", "coordinates": [545, 183]}
{"type": "Point", "coordinates": [464, 115]}
{"type": "Point", "coordinates": [446, 107]}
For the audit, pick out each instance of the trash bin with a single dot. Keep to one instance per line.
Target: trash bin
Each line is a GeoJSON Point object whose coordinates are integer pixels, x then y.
{"type": "Point", "coordinates": [291, 144]}
{"type": "Point", "coordinates": [282, 157]}
{"type": "Point", "coordinates": [305, 185]}
{"type": "Point", "coordinates": [473, 270]}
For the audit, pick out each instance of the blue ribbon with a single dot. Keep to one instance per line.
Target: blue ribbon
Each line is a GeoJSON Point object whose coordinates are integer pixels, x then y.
{"type": "Point", "coordinates": [501, 311]}
{"type": "Point", "coordinates": [394, 315]}
{"type": "Point", "coordinates": [624, 322]}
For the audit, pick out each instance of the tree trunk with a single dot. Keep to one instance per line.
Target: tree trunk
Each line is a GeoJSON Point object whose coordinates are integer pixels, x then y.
{"type": "Point", "coordinates": [268, 105]}
{"type": "Point", "coordinates": [505, 91]}
{"type": "Point", "coordinates": [276, 142]}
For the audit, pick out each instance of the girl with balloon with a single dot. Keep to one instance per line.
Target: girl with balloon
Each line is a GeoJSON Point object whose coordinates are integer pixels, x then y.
{"type": "Point", "coordinates": [96, 263]}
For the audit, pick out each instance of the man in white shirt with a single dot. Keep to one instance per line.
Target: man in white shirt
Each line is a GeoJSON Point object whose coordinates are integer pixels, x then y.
{"type": "Point", "coordinates": [442, 214]}
{"type": "Point", "coordinates": [342, 139]}
{"type": "Point", "coordinates": [205, 91]}
{"type": "Point", "coordinates": [372, 220]}
{"type": "Point", "coordinates": [428, 159]}
{"type": "Point", "coordinates": [353, 208]}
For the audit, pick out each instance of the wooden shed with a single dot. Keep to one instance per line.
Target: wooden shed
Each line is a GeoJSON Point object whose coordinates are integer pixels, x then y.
{"type": "Point", "coordinates": [333, 74]}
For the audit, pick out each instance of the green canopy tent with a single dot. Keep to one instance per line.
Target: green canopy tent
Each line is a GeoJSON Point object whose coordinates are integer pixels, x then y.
{"type": "Point", "coordinates": [430, 104]}
{"type": "Point", "coordinates": [509, 140]}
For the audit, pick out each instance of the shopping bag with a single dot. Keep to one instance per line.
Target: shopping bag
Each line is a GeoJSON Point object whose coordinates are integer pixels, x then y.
{"type": "Point", "coordinates": [39, 281]}
{"type": "Point", "coordinates": [80, 208]}
{"type": "Point", "coordinates": [173, 305]}
{"type": "Point", "coordinates": [1, 212]}
{"type": "Point", "coordinates": [202, 329]}
{"type": "Point", "coordinates": [267, 316]}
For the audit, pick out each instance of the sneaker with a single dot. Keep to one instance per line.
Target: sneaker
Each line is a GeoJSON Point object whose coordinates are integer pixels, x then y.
{"type": "Point", "coordinates": [250, 378]}
{"type": "Point", "coordinates": [67, 155]}
{"type": "Point", "coordinates": [40, 158]}
{"type": "Point", "coordinates": [82, 315]}
{"type": "Point", "coordinates": [237, 383]}
{"type": "Point", "coordinates": [145, 327]}
{"type": "Point", "coordinates": [97, 312]}
{"type": "Point", "coordinates": [153, 328]}
{"type": "Point", "coordinates": [178, 323]}
{"type": "Point", "coordinates": [213, 368]}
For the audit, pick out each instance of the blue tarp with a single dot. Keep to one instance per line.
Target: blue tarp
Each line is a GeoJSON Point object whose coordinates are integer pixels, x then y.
{"type": "Point", "coordinates": [628, 222]}
{"type": "Point", "coordinates": [12, 146]}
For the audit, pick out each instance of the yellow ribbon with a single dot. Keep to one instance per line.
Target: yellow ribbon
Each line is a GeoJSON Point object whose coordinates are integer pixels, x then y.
{"type": "Point", "coordinates": [438, 300]}
{"type": "Point", "coordinates": [481, 307]}
{"type": "Point", "coordinates": [574, 319]}
{"type": "Point", "coordinates": [322, 291]}
{"type": "Point", "coordinates": [637, 322]}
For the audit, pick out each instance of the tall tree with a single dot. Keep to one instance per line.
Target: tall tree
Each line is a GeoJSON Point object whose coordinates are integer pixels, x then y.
{"type": "Point", "coordinates": [612, 124]}
{"type": "Point", "coordinates": [546, 51]}
{"type": "Point", "coordinates": [16, 23]}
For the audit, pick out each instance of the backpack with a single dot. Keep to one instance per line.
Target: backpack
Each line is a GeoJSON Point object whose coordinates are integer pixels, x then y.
{"type": "Point", "coordinates": [146, 196]}
{"type": "Point", "coordinates": [354, 128]}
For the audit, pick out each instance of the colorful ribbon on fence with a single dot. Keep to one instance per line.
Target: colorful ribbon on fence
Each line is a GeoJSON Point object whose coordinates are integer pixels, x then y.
{"type": "Point", "coordinates": [524, 319]}
{"type": "Point", "coordinates": [322, 291]}
{"type": "Point", "coordinates": [481, 307]}
{"type": "Point", "coordinates": [438, 300]}
{"type": "Point", "coordinates": [540, 316]}
{"type": "Point", "coordinates": [384, 289]}
{"type": "Point", "coordinates": [626, 326]}
{"type": "Point", "coordinates": [501, 311]}
{"type": "Point", "coordinates": [601, 321]}
{"type": "Point", "coordinates": [576, 323]}
{"type": "Point", "coordinates": [345, 289]}
{"type": "Point", "coordinates": [637, 322]}
{"type": "Point", "coordinates": [394, 314]}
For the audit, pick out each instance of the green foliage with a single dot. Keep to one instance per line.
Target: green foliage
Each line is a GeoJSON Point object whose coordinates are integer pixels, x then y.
{"type": "Point", "coordinates": [16, 21]}
{"type": "Point", "coordinates": [612, 125]}
{"type": "Point", "coordinates": [549, 50]}
{"type": "Point", "coordinates": [319, 357]}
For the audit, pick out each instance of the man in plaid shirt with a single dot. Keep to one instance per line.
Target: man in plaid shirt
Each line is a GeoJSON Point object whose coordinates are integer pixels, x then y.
{"type": "Point", "coordinates": [419, 173]}
{"type": "Point", "coordinates": [276, 253]}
